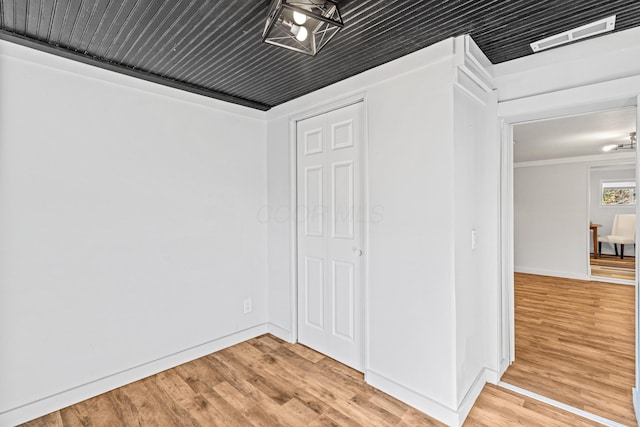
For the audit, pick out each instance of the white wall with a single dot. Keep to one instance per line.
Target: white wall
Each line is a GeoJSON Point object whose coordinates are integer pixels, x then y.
{"type": "Point", "coordinates": [279, 214]}
{"type": "Point", "coordinates": [550, 220]}
{"type": "Point", "coordinates": [412, 190]}
{"type": "Point", "coordinates": [409, 288]}
{"type": "Point", "coordinates": [129, 229]}
{"type": "Point", "coordinates": [475, 211]}
{"type": "Point", "coordinates": [411, 298]}
{"type": "Point", "coordinates": [604, 215]}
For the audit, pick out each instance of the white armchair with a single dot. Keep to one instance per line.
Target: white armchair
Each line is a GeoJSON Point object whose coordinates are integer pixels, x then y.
{"type": "Point", "coordinates": [622, 233]}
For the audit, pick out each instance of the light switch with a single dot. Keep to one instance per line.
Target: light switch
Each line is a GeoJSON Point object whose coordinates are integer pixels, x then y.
{"type": "Point", "coordinates": [474, 239]}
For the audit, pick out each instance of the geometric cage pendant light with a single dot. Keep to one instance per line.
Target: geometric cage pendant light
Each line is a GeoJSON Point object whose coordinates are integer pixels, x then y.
{"type": "Point", "coordinates": [302, 25]}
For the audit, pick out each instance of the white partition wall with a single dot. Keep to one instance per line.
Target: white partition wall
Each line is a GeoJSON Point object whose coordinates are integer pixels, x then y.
{"type": "Point", "coordinates": [550, 220]}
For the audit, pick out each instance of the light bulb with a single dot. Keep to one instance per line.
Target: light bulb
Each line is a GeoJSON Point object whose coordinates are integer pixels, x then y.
{"type": "Point", "coordinates": [299, 18]}
{"type": "Point", "coordinates": [610, 147]}
{"type": "Point", "coordinates": [302, 34]}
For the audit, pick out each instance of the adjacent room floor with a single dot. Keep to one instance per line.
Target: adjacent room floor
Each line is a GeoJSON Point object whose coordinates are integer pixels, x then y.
{"type": "Point", "coordinates": [268, 382]}
{"type": "Point", "coordinates": [612, 267]}
{"type": "Point", "coordinates": [575, 344]}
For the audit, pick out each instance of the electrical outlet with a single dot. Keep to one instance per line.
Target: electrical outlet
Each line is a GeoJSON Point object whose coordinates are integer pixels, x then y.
{"type": "Point", "coordinates": [247, 306]}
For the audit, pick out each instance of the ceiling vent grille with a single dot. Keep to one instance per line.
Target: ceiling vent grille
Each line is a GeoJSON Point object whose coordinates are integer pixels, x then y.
{"type": "Point", "coordinates": [592, 29]}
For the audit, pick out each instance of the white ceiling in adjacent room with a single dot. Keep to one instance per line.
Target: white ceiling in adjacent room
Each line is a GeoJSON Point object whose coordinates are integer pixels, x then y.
{"type": "Point", "coordinates": [573, 136]}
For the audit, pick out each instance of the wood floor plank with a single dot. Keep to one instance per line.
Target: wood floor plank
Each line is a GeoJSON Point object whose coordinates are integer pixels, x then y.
{"type": "Point", "coordinates": [136, 406]}
{"type": "Point", "coordinates": [306, 352]}
{"type": "Point", "coordinates": [575, 343]}
{"type": "Point", "coordinates": [341, 419]}
{"type": "Point", "coordinates": [277, 414]}
{"type": "Point", "coordinates": [53, 419]}
{"type": "Point", "coordinates": [300, 411]}
{"type": "Point", "coordinates": [201, 406]}
{"type": "Point", "coordinates": [165, 394]}
{"type": "Point", "coordinates": [392, 406]}
{"type": "Point", "coordinates": [224, 398]}
{"type": "Point", "coordinates": [415, 418]}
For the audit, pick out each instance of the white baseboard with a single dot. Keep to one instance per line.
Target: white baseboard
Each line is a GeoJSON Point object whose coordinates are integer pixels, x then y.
{"type": "Point", "coordinates": [429, 406]}
{"type": "Point", "coordinates": [569, 275]}
{"type": "Point", "coordinates": [82, 392]}
{"type": "Point", "coordinates": [279, 332]}
{"type": "Point", "coordinates": [636, 403]}
{"type": "Point", "coordinates": [503, 366]}
{"type": "Point", "coordinates": [491, 376]}
{"type": "Point", "coordinates": [485, 376]}
{"type": "Point", "coordinates": [541, 272]}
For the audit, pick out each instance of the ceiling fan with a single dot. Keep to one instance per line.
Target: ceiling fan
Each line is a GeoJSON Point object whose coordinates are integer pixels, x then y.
{"type": "Point", "coordinates": [615, 147]}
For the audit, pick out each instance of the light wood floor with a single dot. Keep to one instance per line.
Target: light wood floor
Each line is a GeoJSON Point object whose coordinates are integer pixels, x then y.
{"type": "Point", "coordinates": [575, 343]}
{"type": "Point", "coordinates": [268, 382]}
{"type": "Point", "coordinates": [611, 266]}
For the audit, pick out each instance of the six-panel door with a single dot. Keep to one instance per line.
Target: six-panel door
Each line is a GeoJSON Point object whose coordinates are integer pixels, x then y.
{"type": "Point", "coordinates": [330, 233]}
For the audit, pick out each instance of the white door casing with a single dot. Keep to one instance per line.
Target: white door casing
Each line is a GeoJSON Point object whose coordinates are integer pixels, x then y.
{"type": "Point", "coordinates": [331, 233]}
{"type": "Point", "coordinates": [636, 390]}
{"type": "Point", "coordinates": [506, 350]}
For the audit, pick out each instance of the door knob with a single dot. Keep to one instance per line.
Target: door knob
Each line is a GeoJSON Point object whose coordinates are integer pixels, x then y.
{"type": "Point", "coordinates": [358, 252]}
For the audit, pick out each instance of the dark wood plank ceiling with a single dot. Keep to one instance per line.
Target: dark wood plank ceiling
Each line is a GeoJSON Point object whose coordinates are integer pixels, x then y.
{"type": "Point", "coordinates": [214, 47]}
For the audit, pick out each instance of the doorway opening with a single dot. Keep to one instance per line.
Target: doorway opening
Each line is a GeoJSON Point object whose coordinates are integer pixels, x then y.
{"type": "Point", "coordinates": [558, 305]}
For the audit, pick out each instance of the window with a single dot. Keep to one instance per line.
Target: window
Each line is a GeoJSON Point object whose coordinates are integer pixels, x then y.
{"type": "Point", "coordinates": [618, 193]}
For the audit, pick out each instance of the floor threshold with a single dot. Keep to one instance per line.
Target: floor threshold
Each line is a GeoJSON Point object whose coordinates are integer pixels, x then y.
{"type": "Point", "coordinates": [560, 405]}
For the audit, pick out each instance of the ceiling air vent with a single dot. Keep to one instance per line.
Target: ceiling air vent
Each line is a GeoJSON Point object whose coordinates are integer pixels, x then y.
{"type": "Point", "coordinates": [598, 27]}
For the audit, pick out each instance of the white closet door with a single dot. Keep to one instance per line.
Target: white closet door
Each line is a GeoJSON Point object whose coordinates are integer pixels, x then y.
{"type": "Point", "coordinates": [330, 234]}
